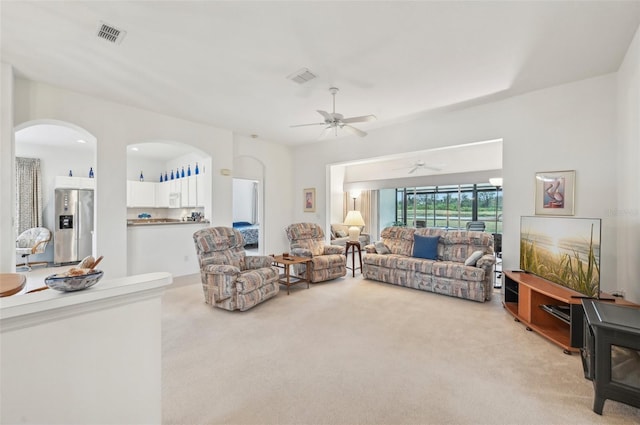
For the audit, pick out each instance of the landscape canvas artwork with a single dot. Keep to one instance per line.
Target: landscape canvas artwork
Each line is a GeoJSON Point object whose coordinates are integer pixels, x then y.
{"type": "Point", "coordinates": [563, 250]}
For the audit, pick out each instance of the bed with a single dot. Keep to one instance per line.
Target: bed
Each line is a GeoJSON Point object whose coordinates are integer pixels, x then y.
{"type": "Point", "coordinates": [249, 231]}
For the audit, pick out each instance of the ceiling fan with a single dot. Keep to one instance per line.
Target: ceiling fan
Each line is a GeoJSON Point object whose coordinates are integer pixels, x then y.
{"type": "Point", "coordinates": [420, 164]}
{"type": "Point", "coordinates": [334, 120]}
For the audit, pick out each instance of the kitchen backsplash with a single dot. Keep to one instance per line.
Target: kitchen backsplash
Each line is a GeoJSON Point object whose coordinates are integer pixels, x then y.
{"type": "Point", "coordinates": [177, 213]}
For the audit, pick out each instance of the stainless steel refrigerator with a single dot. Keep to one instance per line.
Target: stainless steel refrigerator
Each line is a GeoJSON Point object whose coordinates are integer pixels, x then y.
{"type": "Point", "coordinates": [73, 235]}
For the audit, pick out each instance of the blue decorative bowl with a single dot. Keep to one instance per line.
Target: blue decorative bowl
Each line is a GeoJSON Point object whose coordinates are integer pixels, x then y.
{"type": "Point", "coordinates": [73, 283]}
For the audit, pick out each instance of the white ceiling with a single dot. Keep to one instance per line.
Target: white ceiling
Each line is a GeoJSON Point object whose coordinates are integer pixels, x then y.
{"type": "Point", "coordinates": [225, 63]}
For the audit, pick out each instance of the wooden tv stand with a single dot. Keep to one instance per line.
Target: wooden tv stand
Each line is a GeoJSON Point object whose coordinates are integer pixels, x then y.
{"type": "Point", "coordinates": [524, 293]}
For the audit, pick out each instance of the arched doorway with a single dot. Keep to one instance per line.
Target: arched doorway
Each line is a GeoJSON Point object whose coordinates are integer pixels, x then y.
{"type": "Point", "coordinates": [248, 173]}
{"type": "Point", "coordinates": [163, 187]}
{"type": "Point", "coordinates": [62, 148]}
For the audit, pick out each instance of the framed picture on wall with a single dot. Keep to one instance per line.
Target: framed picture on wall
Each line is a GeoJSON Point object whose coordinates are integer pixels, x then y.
{"type": "Point", "coordinates": [309, 199]}
{"type": "Point", "coordinates": [555, 192]}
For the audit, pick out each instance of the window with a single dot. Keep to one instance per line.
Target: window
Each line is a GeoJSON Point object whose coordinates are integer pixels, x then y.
{"type": "Point", "coordinates": [450, 207]}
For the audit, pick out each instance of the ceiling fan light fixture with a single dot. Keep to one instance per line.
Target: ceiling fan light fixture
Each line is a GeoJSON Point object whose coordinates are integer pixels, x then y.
{"type": "Point", "coordinates": [302, 76]}
{"type": "Point", "coordinates": [338, 121]}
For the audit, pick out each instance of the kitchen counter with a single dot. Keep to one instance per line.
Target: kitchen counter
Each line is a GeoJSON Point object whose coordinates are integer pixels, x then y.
{"type": "Point", "coordinates": [161, 221]}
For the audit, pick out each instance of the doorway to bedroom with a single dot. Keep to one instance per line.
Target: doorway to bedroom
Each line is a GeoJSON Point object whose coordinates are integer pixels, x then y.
{"type": "Point", "coordinates": [246, 212]}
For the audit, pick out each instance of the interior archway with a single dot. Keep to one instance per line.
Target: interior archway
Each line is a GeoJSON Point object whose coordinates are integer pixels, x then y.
{"type": "Point", "coordinates": [63, 148]}
{"type": "Point", "coordinates": [251, 169]}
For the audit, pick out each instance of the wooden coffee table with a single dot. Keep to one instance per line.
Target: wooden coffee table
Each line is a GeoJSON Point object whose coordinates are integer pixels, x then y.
{"type": "Point", "coordinates": [287, 278]}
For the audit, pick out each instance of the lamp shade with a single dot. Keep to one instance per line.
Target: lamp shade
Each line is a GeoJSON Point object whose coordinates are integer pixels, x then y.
{"type": "Point", "coordinates": [355, 220]}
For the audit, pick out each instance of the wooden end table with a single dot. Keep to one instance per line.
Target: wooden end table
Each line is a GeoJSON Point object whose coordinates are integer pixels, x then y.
{"type": "Point", "coordinates": [352, 245]}
{"type": "Point", "coordinates": [286, 278]}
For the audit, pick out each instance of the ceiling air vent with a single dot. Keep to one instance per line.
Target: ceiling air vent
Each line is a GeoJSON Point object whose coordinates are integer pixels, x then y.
{"type": "Point", "coordinates": [301, 76]}
{"type": "Point", "coordinates": [110, 33]}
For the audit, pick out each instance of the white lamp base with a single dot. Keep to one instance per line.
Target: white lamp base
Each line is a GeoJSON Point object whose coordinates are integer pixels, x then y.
{"type": "Point", "coordinates": [354, 233]}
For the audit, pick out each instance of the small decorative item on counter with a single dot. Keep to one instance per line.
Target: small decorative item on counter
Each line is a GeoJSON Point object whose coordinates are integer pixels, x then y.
{"type": "Point", "coordinates": [70, 173]}
{"type": "Point", "coordinates": [91, 172]}
{"type": "Point", "coordinates": [76, 278]}
{"type": "Point", "coordinates": [189, 170]}
{"type": "Point", "coordinates": [144, 215]}
{"type": "Point", "coordinates": [197, 170]}
{"type": "Point", "coordinates": [141, 177]}
{"type": "Point", "coordinates": [172, 176]}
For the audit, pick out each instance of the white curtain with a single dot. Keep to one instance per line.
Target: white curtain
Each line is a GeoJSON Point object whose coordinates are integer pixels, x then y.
{"type": "Point", "coordinates": [28, 194]}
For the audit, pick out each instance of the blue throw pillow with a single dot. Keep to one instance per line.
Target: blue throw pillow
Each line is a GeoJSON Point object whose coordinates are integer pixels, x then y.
{"type": "Point", "coordinates": [241, 224]}
{"type": "Point", "coordinates": [425, 247]}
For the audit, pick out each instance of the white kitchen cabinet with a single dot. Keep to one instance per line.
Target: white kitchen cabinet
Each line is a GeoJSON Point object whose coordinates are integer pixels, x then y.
{"type": "Point", "coordinates": [189, 191]}
{"type": "Point", "coordinates": [141, 194]}
{"type": "Point", "coordinates": [193, 191]}
{"type": "Point", "coordinates": [200, 185]}
{"type": "Point", "coordinates": [162, 195]}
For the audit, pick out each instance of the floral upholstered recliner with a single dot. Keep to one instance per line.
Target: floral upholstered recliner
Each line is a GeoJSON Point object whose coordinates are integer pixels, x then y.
{"type": "Point", "coordinates": [327, 261]}
{"type": "Point", "coordinates": [230, 279]}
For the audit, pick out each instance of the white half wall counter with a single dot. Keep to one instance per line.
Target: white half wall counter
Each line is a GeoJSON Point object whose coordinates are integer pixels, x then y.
{"type": "Point", "coordinates": [167, 247]}
{"type": "Point", "coordinates": [86, 357]}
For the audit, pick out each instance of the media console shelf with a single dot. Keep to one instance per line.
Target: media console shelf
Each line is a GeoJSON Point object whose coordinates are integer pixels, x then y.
{"type": "Point", "coordinates": [551, 310]}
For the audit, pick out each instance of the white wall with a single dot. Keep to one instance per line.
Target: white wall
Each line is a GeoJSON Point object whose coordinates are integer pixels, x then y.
{"type": "Point", "coordinates": [243, 200]}
{"type": "Point", "coordinates": [115, 126]}
{"type": "Point", "coordinates": [628, 176]}
{"type": "Point", "coordinates": [7, 172]}
{"type": "Point", "coordinates": [568, 127]}
{"type": "Point", "coordinates": [150, 168]}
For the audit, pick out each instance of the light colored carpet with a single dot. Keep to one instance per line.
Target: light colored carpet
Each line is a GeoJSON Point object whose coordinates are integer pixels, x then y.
{"type": "Point", "coordinates": [353, 351]}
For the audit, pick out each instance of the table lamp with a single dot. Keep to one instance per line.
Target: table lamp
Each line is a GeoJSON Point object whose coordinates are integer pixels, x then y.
{"type": "Point", "coordinates": [354, 220]}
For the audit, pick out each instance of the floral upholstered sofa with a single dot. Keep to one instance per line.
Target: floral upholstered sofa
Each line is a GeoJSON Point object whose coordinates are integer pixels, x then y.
{"type": "Point", "coordinates": [456, 263]}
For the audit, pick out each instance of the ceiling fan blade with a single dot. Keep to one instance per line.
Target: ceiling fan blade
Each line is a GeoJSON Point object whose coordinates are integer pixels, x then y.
{"type": "Point", "coordinates": [327, 116]}
{"type": "Point", "coordinates": [354, 130]}
{"type": "Point", "coordinates": [304, 125]}
{"type": "Point", "coordinates": [363, 118]}
{"type": "Point", "coordinates": [413, 170]}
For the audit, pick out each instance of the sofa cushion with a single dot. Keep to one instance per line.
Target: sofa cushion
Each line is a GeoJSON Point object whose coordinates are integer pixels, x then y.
{"type": "Point", "coordinates": [399, 240]}
{"type": "Point", "coordinates": [425, 247]}
{"type": "Point", "coordinates": [457, 271]}
{"type": "Point", "coordinates": [381, 248]}
{"type": "Point", "coordinates": [459, 245]}
{"type": "Point", "coordinates": [329, 261]}
{"type": "Point", "coordinates": [387, 261]}
{"type": "Point", "coordinates": [473, 258]}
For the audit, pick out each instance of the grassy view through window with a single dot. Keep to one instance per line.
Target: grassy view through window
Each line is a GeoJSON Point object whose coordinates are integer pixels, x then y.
{"type": "Point", "coordinates": [450, 206]}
